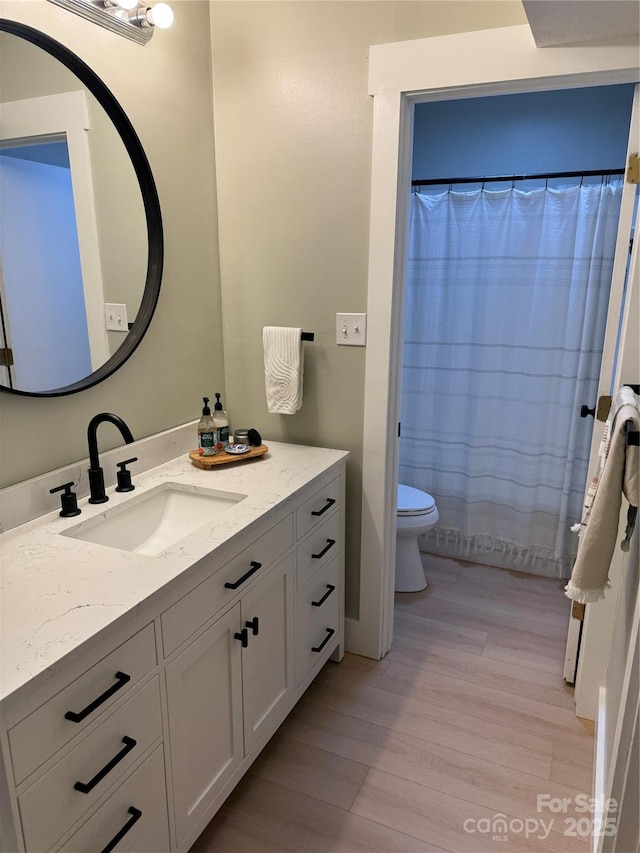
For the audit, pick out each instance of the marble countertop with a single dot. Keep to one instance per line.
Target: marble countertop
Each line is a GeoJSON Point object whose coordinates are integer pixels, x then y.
{"type": "Point", "coordinates": [57, 592]}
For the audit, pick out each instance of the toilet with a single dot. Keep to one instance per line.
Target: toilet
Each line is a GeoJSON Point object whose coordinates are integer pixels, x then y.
{"type": "Point", "coordinates": [417, 513]}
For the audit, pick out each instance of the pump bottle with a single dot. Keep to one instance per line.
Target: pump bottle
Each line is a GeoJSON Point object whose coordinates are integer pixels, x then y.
{"type": "Point", "coordinates": [207, 433]}
{"type": "Point", "coordinates": [221, 422]}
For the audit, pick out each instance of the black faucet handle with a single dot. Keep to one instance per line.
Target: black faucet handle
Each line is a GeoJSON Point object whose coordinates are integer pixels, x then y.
{"type": "Point", "coordinates": [68, 500]}
{"type": "Point", "coordinates": [124, 476]}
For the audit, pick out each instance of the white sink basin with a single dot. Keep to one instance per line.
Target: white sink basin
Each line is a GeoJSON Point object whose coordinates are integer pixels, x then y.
{"type": "Point", "coordinates": [152, 522]}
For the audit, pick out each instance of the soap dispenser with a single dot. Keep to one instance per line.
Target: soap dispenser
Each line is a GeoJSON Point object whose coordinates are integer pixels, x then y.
{"type": "Point", "coordinates": [221, 421]}
{"type": "Point", "coordinates": [207, 433]}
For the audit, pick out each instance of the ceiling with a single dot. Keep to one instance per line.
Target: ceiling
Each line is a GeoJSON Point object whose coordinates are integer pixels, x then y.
{"type": "Point", "coordinates": [584, 22]}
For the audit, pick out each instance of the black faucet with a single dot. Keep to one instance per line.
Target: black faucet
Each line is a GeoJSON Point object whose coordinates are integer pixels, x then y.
{"type": "Point", "coordinates": [96, 477]}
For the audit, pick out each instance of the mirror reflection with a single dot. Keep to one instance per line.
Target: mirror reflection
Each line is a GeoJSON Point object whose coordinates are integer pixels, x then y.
{"type": "Point", "coordinates": [73, 234]}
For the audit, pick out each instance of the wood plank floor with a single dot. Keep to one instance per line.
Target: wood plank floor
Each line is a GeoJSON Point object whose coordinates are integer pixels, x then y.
{"type": "Point", "coordinates": [466, 718]}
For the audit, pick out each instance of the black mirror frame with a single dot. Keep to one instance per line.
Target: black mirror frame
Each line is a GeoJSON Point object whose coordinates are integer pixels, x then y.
{"type": "Point", "coordinates": [149, 197]}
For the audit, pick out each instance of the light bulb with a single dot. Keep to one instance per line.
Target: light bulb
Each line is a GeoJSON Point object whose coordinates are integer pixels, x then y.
{"type": "Point", "coordinates": [160, 16]}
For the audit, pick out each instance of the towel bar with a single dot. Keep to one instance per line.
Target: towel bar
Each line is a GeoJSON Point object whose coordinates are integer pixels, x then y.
{"type": "Point", "coordinates": [307, 336]}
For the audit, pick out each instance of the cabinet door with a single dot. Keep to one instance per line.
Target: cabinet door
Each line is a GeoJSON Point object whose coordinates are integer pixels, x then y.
{"type": "Point", "coordinates": [267, 661]}
{"type": "Point", "coordinates": [204, 697]}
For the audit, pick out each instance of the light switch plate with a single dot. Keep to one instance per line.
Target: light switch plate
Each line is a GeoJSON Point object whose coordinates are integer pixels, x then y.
{"type": "Point", "coordinates": [115, 317]}
{"type": "Point", "coordinates": [351, 330]}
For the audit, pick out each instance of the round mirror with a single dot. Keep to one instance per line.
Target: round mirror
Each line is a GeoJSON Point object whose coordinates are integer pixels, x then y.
{"type": "Point", "coordinates": [81, 243]}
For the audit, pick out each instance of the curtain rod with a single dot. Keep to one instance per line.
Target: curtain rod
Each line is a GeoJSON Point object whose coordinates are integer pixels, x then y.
{"type": "Point", "coordinates": [546, 176]}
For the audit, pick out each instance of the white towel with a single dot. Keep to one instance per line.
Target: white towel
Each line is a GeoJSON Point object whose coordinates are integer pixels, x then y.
{"type": "Point", "coordinates": [283, 369]}
{"type": "Point", "coordinates": [618, 474]}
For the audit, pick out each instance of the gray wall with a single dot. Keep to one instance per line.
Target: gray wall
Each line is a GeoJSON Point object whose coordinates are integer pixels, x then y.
{"type": "Point", "coordinates": [293, 157]}
{"type": "Point", "coordinates": [165, 88]}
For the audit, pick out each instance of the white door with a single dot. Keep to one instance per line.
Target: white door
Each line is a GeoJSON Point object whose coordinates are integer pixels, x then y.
{"type": "Point", "coordinates": [489, 62]}
{"type": "Point", "coordinates": [617, 771]}
{"type": "Point", "coordinates": [611, 376]}
{"type": "Point", "coordinates": [267, 661]}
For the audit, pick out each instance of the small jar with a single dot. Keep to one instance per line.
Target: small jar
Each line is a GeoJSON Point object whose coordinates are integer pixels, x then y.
{"type": "Point", "coordinates": [241, 436]}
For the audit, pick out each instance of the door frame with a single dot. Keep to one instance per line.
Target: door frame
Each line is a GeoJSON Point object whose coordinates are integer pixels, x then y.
{"type": "Point", "coordinates": [488, 62]}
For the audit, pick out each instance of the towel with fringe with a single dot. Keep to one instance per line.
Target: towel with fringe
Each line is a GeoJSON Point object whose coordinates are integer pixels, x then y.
{"type": "Point", "coordinates": [617, 474]}
{"type": "Point", "coordinates": [283, 369]}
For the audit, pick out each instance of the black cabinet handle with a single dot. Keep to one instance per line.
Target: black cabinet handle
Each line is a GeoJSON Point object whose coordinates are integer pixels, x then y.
{"type": "Point", "coordinates": [86, 787]}
{"type": "Point", "coordinates": [330, 589]}
{"type": "Point", "coordinates": [330, 544]}
{"type": "Point", "coordinates": [136, 814]}
{"type": "Point", "coordinates": [330, 633]}
{"type": "Point", "coordinates": [254, 568]}
{"type": "Point", "coordinates": [243, 636]}
{"type": "Point", "coordinates": [328, 505]}
{"type": "Point", "coordinates": [77, 717]}
{"type": "Point", "coordinates": [253, 624]}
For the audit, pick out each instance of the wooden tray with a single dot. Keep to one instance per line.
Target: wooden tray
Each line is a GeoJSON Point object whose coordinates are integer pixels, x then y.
{"type": "Point", "coordinates": [222, 458]}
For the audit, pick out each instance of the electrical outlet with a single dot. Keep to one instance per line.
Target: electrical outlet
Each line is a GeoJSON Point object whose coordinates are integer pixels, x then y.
{"type": "Point", "coordinates": [351, 330]}
{"type": "Point", "coordinates": [115, 317]}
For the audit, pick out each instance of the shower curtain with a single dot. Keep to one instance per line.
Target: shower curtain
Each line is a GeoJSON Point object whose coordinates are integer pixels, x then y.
{"type": "Point", "coordinates": [506, 303]}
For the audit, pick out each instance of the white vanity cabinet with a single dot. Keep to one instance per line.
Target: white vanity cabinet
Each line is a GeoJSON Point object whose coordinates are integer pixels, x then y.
{"type": "Point", "coordinates": [225, 690]}
{"type": "Point", "coordinates": [85, 760]}
{"type": "Point", "coordinates": [133, 741]}
{"type": "Point", "coordinates": [319, 578]}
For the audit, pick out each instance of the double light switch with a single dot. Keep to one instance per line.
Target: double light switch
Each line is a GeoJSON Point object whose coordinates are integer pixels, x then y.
{"type": "Point", "coordinates": [351, 330]}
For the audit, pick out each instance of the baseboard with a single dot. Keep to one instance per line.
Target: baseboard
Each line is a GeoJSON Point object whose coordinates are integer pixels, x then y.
{"type": "Point", "coordinates": [599, 767]}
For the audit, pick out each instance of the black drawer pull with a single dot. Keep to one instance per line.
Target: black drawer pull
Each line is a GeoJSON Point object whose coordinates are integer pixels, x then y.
{"type": "Point", "coordinates": [136, 814]}
{"type": "Point", "coordinates": [243, 636]}
{"type": "Point", "coordinates": [254, 568]}
{"type": "Point", "coordinates": [77, 717]}
{"type": "Point", "coordinates": [328, 505]}
{"type": "Point", "coordinates": [86, 787]}
{"type": "Point", "coordinates": [330, 589]}
{"type": "Point", "coordinates": [330, 544]}
{"type": "Point", "coordinates": [330, 633]}
{"type": "Point", "coordinates": [253, 624]}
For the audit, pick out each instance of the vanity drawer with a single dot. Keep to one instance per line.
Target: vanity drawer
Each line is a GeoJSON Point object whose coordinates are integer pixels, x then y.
{"type": "Point", "coordinates": [321, 636]}
{"type": "Point", "coordinates": [196, 608]}
{"type": "Point", "coordinates": [316, 509]}
{"type": "Point", "coordinates": [318, 549]}
{"type": "Point", "coordinates": [52, 804]}
{"type": "Point", "coordinates": [46, 730]}
{"type": "Point", "coordinates": [318, 598]}
{"type": "Point", "coordinates": [143, 793]}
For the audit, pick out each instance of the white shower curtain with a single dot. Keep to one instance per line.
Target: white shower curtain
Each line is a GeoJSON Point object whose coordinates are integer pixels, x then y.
{"type": "Point", "coordinates": [506, 302]}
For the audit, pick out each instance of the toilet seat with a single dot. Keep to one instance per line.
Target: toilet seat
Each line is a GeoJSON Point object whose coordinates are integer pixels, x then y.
{"type": "Point", "coordinates": [414, 502]}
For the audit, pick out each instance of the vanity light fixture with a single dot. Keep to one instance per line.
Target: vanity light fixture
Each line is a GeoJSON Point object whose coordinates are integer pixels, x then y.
{"type": "Point", "coordinates": [131, 18]}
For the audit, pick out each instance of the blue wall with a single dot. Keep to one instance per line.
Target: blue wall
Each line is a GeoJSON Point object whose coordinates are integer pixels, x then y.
{"type": "Point", "coordinates": [569, 130]}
